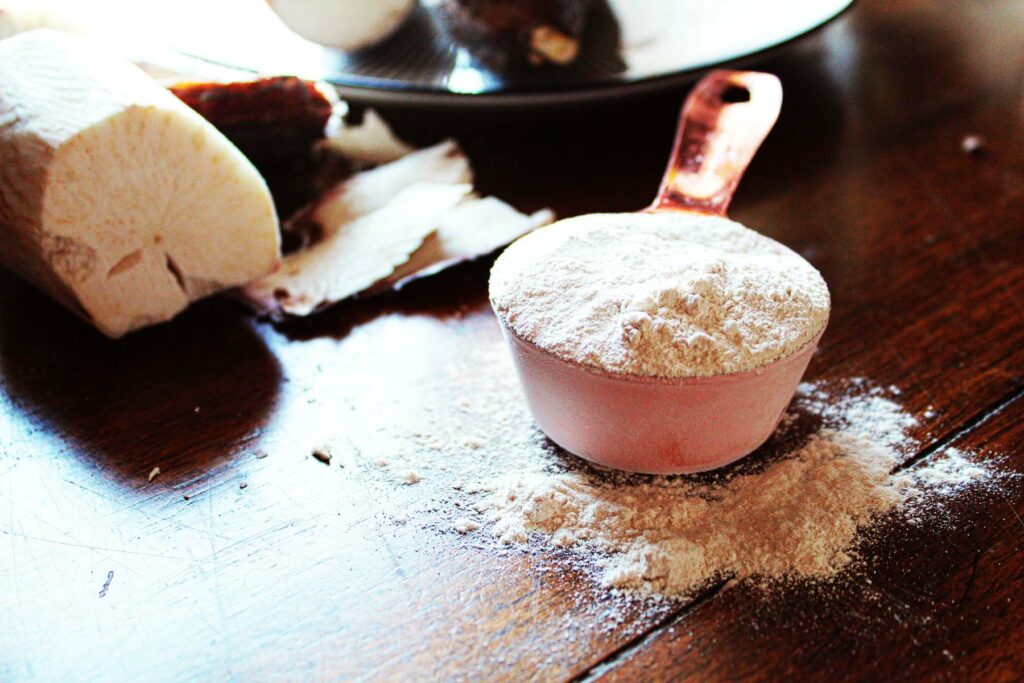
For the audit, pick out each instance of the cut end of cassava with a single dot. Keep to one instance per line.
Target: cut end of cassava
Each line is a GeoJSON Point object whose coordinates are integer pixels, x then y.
{"type": "Point", "coordinates": [159, 215]}
{"type": "Point", "coordinates": [131, 208]}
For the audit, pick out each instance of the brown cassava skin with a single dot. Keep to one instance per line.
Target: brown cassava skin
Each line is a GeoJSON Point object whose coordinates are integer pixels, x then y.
{"type": "Point", "coordinates": [271, 120]}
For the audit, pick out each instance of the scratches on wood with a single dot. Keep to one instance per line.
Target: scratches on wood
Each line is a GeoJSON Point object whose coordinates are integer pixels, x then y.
{"type": "Point", "coordinates": [1014, 511]}
{"type": "Point", "coordinates": [670, 620]}
{"type": "Point", "coordinates": [106, 584]}
{"type": "Point", "coordinates": [86, 546]}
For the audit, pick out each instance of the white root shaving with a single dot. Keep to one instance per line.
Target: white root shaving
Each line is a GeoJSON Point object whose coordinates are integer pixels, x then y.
{"type": "Point", "coordinates": [368, 191]}
{"type": "Point", "coordinates": [473, 228]}
{"type": "Point", "coordinates": [360, 252]}
{"type": "Point", "coordinates": [371, 142]}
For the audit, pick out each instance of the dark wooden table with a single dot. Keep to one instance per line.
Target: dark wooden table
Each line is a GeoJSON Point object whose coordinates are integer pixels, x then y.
{"type": "Point", "coordinates": [107, 576]}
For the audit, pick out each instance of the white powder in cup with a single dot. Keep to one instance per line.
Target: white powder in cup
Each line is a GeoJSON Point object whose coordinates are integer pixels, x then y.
{"type": "Point", "coordinates": [659, 294]}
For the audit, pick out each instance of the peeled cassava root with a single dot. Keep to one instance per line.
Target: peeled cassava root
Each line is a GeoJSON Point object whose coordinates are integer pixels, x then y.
{"type": "Point", "coordinates": [116, 198]}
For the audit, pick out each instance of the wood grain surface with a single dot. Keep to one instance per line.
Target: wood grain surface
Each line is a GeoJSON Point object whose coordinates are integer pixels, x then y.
{"type": "Point", "coordinates": [308, 572]}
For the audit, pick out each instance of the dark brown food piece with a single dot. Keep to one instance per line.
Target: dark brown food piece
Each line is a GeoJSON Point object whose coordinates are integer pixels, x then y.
{"type": "Point", "coordinates": [505, 32]}
{"type": "Point", "coordinates": [270, 120]}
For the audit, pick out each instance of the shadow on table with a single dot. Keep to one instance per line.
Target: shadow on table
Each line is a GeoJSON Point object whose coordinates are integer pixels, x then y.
{"type": "Point", "coordinates": [126, 406]}
{"type": "Point", "coordinates": [799, 427]}
{"type": "Point", "coordinates": [805, 141]}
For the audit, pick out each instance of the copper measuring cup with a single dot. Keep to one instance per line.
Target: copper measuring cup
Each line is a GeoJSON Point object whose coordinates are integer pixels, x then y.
{"type": "Point", "coordinates": [675, 425]}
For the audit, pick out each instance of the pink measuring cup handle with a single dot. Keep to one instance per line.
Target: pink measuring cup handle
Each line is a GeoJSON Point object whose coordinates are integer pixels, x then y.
{"type": "Point", "coordinates": [724, 120]}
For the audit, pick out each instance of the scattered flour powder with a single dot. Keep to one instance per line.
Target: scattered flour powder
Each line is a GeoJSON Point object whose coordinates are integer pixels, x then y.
{"type": "Point", "coordinates": [660, 294]}
{"type": "Point", "coordinates": [797, 509]}
{"type": "Point", "coordinates": [797, 518]}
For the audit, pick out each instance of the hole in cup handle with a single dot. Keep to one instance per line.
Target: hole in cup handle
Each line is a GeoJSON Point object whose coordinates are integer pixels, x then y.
{"type": "Point", "coordinates": [735, 94]}
{"type": "Point", "coordinates": [725, 119]}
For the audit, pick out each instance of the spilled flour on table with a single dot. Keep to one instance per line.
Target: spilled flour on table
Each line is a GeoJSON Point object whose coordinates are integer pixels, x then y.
{"type": "Point", "coordinates": [798, 517]}
{"type": "Point", "coordinates": [795, 510]}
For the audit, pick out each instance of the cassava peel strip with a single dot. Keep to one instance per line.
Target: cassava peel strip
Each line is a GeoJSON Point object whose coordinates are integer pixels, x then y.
{"type": "Point", "coordinates": [368, 191]}
{"type": "Point", "coordinates": [370, 142]}
{"type": "Point", "coordinates": [361, 251]}
{"type": "Point", "coordinates": [474, 228]}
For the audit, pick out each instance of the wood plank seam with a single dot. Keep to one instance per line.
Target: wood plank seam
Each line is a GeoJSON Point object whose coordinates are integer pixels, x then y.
{"type": "Point", "coordinates": [675, 617]}
{"type": "Point", "coordinates": [622, 653]}
{"type": "Point", "coordinates": [964, 428]}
